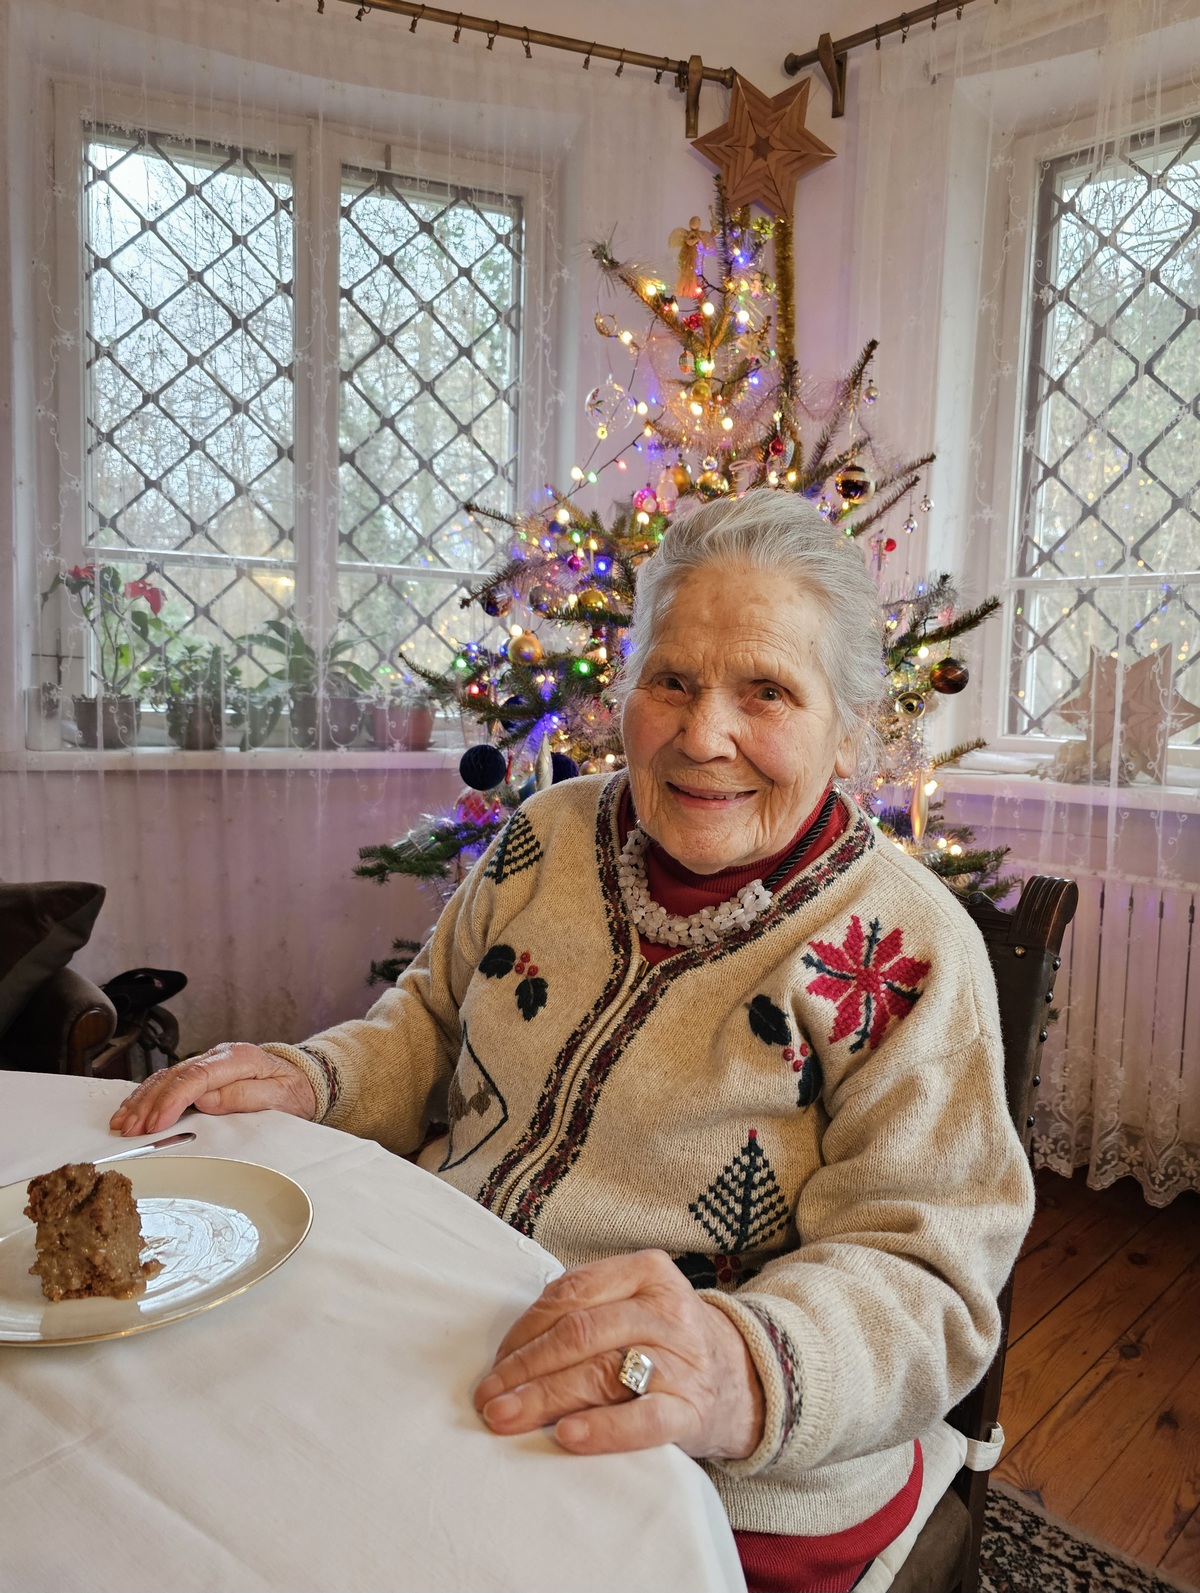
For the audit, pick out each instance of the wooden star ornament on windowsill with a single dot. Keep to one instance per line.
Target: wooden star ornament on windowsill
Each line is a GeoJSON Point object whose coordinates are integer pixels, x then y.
{"type": "Point", "coordinates": [764, 147]}
{"type": "Point", "coordinates": [1152, 711]}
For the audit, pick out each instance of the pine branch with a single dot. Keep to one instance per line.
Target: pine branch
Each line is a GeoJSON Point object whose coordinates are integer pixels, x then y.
{"type": "Point", "coordinates": [877, 514]}
{"type": "Point", "coordinates": [427, 851]}
{"type": "Point", "coordinates": [967, 621]}
{"type": "Point", "coordinates": [390, 969]}
{"type": "Point", "coordinates": [945, 759]}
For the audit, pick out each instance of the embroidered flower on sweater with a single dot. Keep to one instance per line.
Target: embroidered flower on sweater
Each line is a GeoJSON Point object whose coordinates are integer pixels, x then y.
{"type": "Point", "coordinates": [868, 980]}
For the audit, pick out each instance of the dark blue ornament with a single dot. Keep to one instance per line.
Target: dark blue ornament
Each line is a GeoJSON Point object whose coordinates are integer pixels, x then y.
{"type": "Point", "coordinates": [564, 768]}
{"type": "Point", "coordinates": [528, 788]}
{"type": "Point", "coordinates": [482, 767]}
{"type": "Point", "coordinates": [510, 702]}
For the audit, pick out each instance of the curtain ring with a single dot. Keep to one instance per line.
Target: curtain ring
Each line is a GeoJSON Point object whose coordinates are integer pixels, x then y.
{"type": "Point", "coordinates": [587, 60]}
{"type": "Point", "coordinates": [361, 12]}
{"type": "Point", "coordinates": [457, 29]}
{"type": "Point", "coordinates": [621, 67]}
{"type": "Point", "coordinates": [412, 26]}
{"type": "Point", "coordinates": [904, 25]}
{"type": "Point", "coordinates": [528, 51]}
{"type": "Point", "coordinates": [958, 12]}
{"type": "Point", "coordinates": [937, 7]}
{"type": "Point", "coordinates": [878, 40]}
{"type": "Point", "coordinates": [491, 38]}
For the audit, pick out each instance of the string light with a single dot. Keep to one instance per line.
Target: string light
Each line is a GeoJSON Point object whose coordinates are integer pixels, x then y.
{"type": "Point", "coordinates": [708, 308]}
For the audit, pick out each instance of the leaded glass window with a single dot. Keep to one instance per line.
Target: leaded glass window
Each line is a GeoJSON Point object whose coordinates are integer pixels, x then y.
{"type": "Point", "coordinates": [188, 276]}
{"type": "Point", "coordinates": [1108, 547]}
{"type": "Point", "coordinates": [429, 364]}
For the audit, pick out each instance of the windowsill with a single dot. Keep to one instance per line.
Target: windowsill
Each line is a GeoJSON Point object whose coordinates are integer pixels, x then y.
{"type": "Point", "coordinates": [155, 760]}
{"type": "Point", "coordinates": [1011, 777]}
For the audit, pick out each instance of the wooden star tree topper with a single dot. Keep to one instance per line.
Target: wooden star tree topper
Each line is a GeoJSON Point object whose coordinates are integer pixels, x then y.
{"type": "Point", "coordinates": [764, 148]}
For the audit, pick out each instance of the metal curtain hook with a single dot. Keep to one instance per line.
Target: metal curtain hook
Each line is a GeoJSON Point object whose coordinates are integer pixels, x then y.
{"type": "Point", "coordinates": [878, 40]}
{"type": "Point", "coordinates": [528, 51]}
{"type": "Point", "coordinates": [491, 38]}
{"type": "Point", "coordinates": [587, 60]}
{"type": "Point", "coordinates": [658, 76]}
{"type": "Point", "coordinates": [457, 29]}
{"type": "Point", "coordinates": [621, 67]}
{"type": "Point", "coordinates": [904, 25]}
{"type": "Point", "coordinates": [937, 7]}
{"type": "Point", "coordinates": [412, 26]}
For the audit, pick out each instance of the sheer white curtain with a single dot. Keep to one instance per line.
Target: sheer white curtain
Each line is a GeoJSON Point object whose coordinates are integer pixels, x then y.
{"type": "Point", "coordinates": [1042, 163]}
{"type": "Point", "coordinates": [282, 290]}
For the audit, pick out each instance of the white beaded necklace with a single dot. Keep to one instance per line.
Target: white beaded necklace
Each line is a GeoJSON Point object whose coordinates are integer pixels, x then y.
{"type": "Point", "coordinates": [710, 924]}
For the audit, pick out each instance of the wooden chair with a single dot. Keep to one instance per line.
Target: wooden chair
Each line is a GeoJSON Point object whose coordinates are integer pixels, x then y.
{"type": "Point", "coordinates": [1023, 946]}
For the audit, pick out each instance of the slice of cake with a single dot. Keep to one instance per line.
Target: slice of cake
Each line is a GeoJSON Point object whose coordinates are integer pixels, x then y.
{"type": "Point", "coordinates": [89, 1236]}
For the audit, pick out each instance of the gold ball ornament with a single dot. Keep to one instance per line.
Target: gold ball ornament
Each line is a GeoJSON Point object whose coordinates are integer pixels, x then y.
{"type": "Point", "coordinates": [525, 649]}
{"type": "Point", "coordinates": [909, 705]}
{"type": "Point", "coordinates": [853, 484]}
{"type": "Point", "coordinates": [701, 389]}
{"type": "Point", "coordinates": [711, 484]}
{"type": "Point", "coordinates": [682, 478]}
{"type": "Point", "coordinates": [592, 598]}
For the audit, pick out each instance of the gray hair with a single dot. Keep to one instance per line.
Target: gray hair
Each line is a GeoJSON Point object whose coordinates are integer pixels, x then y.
{"type": "Point", "coordinates": [786, 535]}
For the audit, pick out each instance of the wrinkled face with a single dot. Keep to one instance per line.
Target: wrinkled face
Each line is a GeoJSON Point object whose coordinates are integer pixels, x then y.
{"type": "Point", "coordinates": [730, 733]}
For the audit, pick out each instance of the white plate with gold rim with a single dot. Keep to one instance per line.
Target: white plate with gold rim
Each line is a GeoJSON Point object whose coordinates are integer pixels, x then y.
{"type": "Point", "coordinates": [216, 1226]}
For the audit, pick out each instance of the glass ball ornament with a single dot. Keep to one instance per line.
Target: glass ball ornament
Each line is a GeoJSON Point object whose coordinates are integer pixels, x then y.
{"type": "Point", "coordinates": [681, 476]}
{"type": "Point", "coordinates": [711, 484]}
{"type": "Point", "coordinates": [539, 597]}
{"type": "Point", "coordinates": [909, 705]}
{"type": "Point", "coordinates": [646, 499]}
{"type": "Point", "coordinates": [592, 599]}
{"type": "Point", "coordinates": [507, 721]}
{"type": "Point", "coordinates": [870, 393]}
{"type": "Point", "coordinates": [609, 405]}
{"type": "Point", "coordinates": [482, 767]}
{"type": "Point", "coordinates": [824, 508]}
{"type": "Point", "coordinates": [496, 604]}
{"type": "Point", "coordinates": [701, 389]}
{"type": "Point", "coordinates": [949, 676]}
{"type": "Point", "coordinates": [910, 525]}
{"type": "Point", "coordinates": [925, 504]}
{"type": "Point", "coordinates": [525, 649]}
{"type": "Point", "coordinates": [853, 483]}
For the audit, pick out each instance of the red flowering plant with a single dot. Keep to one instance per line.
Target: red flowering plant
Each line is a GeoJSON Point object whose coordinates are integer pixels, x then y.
{"type": "Point", "coordinates": [123, 616]}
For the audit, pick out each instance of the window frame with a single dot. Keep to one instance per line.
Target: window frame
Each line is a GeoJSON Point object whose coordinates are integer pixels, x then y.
{"type": "Point", "coordinates": [318, 150]}
{"type": "Point", "coordinates": [1013, 213]}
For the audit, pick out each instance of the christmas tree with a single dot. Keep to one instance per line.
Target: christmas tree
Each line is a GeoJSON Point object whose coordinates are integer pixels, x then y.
{"type": "Point", "coordinates": [712, 403]}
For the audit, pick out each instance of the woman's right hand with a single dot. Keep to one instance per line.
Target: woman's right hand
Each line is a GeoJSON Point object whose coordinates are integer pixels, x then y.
{"type": "Point", "coordinates": [230, 1078]}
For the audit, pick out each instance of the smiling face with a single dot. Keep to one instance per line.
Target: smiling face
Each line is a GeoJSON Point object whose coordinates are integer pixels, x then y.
{"type": "Point", "coordinates": [730, 733]}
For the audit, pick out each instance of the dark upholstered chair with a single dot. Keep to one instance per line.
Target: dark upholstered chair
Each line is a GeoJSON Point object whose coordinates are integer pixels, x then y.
{"type": "Point", "coordinates": [52, 1019]}
{"type": "Point", "coordinates": [1023, 946]}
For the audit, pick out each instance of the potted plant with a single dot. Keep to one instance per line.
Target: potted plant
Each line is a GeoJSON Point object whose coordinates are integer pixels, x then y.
{"type": "Point", "coordinates": [401, 716]}
{"type": "Point", "coordinates": [189, 681]}
{"type": "Point", "coordinates": [327, 691]}
{"type": "Point", "coordinates": [125, 635]}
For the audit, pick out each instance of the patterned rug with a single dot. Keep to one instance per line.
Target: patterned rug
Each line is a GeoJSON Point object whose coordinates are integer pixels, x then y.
{"type": "Point", "coordinates": [1025, 1552]}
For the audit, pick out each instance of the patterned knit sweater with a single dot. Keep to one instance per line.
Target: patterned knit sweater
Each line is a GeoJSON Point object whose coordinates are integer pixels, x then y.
{"type": "Point", "coordinates": [810, 1117]}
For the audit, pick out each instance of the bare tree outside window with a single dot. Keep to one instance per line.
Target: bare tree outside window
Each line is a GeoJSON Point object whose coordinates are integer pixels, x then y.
{"type": "Point", "coordinates": [1108, 548]}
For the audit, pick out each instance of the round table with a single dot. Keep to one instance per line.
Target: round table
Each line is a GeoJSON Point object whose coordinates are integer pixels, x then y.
{"type": "Point", "coordinates": [317, 1430]}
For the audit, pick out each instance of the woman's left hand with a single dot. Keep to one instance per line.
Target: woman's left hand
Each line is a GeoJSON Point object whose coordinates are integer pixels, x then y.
{"type": "Point", "coordinates": [559, 1363]}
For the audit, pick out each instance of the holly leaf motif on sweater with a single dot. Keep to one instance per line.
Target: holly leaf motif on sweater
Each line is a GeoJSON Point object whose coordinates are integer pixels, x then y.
{"type": "Point", "coordinates": [531, 997]}
{"type": "Point", "coordinates": [769, 1022]}
{"type": "Point", "coordinates": [497, 961]}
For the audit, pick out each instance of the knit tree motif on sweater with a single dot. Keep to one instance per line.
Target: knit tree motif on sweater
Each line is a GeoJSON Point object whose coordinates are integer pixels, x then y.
{"type": "Point", "coordinates": [744, 1207]}
{"type": "Point", "coordinates": [517, 850]}
{"type": "Point", "coordinates": [868, 979]}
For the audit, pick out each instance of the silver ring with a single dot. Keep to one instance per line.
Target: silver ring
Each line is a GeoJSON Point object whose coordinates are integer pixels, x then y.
{"type": "Point", "coordinates": [636, 1371]}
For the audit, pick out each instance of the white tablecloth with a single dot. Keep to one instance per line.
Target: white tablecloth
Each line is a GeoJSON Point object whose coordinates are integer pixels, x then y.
{"type": "Point", "coordinates": [317, 1431]}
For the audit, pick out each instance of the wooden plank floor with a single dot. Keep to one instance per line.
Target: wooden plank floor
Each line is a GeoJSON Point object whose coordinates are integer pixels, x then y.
{"type": "Point", "coordinates": [1101, 1405]}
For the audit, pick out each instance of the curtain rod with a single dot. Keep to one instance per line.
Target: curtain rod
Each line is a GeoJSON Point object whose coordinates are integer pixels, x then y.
{"type": "Point", "coordinates": [687, 75]}
{"type": "Point", "coordinates": [831, 56]}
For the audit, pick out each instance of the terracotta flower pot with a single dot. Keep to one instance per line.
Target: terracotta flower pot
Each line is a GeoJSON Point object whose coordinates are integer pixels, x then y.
{"type": "Point", "coordinates": [396, 727]}
{"type": "Point", "coordinates": [339, 719]}
{"type": "Point", "coordinates": [121, 718]}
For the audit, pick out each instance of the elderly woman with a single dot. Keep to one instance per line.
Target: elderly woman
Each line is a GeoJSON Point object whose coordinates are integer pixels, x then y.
{"type": "Point", "coordinates": [734, 1062]}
